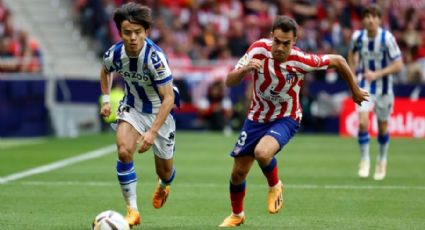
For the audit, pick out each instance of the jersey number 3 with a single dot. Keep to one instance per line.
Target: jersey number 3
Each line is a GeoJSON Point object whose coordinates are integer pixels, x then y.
{"type": "Point", "coordinates": [242, 138]}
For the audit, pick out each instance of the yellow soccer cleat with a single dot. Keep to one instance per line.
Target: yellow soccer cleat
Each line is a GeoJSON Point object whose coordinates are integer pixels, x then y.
{"type": "Point", "coordinates": [132, 217]}
{"type": "Point", "coordinates": [275, 198]}
{"type": "Point", "coordinates": [232, 221]}
{"type": "Point", "coordinates": [160, 196]}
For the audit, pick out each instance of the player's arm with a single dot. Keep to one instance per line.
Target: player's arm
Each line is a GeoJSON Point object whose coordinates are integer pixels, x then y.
{"type": "Point", "coordinates": [341, 65]}
{"type": "Point", "coordinates": [394, 67]}
{"type": "Point", "coordinates": [167, 94]}
{"type": "Point", "coordinates": [105, 86]}
{"type": "Point", "coordinates": [235, 76]}
{"type": "Point", "coordinates": [353, 59]}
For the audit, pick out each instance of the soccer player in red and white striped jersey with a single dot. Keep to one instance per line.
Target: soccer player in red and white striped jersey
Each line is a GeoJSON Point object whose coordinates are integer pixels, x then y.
{"type": "Point", "coordinates": [275, 113]}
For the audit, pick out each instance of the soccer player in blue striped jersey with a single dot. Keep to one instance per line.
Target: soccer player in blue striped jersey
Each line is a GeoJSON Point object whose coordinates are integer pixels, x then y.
{"type": "Point", "coordinates": [143, 117]}
{"type": "Point", "coordinates": [375, 56]}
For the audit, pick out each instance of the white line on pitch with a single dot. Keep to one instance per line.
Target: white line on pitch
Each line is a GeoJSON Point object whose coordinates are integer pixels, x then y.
{"type": "Point", "coordinates": [58, 164]}
{"type": "Point", "coordinates": [213, 185]}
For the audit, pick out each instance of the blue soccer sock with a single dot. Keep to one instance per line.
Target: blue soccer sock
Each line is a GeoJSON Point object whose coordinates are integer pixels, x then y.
{"type": "Point", "coordinates": [237, 195]}
{"type": "Point", "coordinates": [383, 141]}
{"type": "Point", "coordinates": [363, 139]}
{"type": "Point", "coordinates": [271, 172]}
{"type": "Point", "coordinates": [128, 181]}
{"type": "Point", "coordinates": [164, 183]}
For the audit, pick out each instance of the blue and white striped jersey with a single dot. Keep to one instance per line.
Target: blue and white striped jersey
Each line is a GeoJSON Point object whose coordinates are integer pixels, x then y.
{"type": "Point", "coordinates": [375, 53]}
{"type": "Point", "coordinates": [142, 74]}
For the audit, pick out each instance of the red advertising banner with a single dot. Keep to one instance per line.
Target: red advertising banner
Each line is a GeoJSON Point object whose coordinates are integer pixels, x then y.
{"type": "Point", "coordinates": [407, 119]}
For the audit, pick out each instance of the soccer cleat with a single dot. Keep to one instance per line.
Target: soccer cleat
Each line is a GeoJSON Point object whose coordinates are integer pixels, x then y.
{"type": "Point", "coordinates": [232, 221]}
{"type": "Point", "coordinates": [380, 170]}
{"type": "Point", "coordinates": [160, 196]}
{"type": "Point", "coordinates": [132, 217]}
{"type": "Point", "coordinates": [275, 198]}
{"type": "Point", "coordinates": [364, 167]}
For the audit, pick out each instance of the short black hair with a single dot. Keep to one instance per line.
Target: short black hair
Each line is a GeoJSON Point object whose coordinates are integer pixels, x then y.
{"type": "Point", "coordinates": [285, 24]}
{"type": "Point", "coordinates": [134, 13]}
{"type": "Point", "coordinates": [372, 9]}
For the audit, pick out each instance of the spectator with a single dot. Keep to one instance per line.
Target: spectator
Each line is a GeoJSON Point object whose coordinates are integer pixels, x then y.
{"type": "Point", "coordinates": [215, 108]}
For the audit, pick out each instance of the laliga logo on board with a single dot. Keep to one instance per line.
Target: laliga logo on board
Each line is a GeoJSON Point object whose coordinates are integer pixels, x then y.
{"type": "Point", "coordinates": [400, 124]}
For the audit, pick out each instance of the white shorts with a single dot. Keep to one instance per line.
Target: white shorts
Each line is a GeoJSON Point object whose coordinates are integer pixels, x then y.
{"type": "Point", "coordinates": [164, 144]}
{"type": "Point", "coordinates": [381, 104]}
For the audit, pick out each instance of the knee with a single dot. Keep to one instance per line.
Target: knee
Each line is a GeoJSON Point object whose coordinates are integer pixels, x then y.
{"type": "Point", "coordinates": [238, 176]}
{"type": "Point", "coordinates": [363, 127]}
{"type": "Point", "coordinates": [125, 154]}
{"type": "Point", "coordinates": [363, 124]}
{"type": "Point", "coordinates": [262, 155]}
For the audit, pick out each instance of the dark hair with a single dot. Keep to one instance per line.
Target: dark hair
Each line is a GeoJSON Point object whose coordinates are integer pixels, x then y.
{"type": "Point", "coordinates": [286, 24]}
{"type": "Point", "coordinates": [134, 13]}
{"type": "Point", "coordinates": [373, 10]}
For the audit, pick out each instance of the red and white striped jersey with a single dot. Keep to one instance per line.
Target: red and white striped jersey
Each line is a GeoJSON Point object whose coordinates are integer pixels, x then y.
{"type": "Point", "coordinates": [277, 84]}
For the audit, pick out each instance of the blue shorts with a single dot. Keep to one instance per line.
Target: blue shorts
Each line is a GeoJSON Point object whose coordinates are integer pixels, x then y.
{"type": "Point", "coordinates": [282, 130]}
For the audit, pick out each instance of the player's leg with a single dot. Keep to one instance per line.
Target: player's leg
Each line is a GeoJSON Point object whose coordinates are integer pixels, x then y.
{"type": "Point", "coordinates": [126, 139]}
{"type": "Point", "coordinates": [243, 153]}
{"type": "Point", "coordinates": [166, 173]}
{"type": "Point", "coordinates": [363, 140]}
{"type": "Point", "coordinates": [383, 110]}
{"type": "Point", "coordinates": [276, 138]}
{"type": "Point", "coordinates": [363, 137]}
{"type": "Point", "coordinates": [264, 153]}
{"type": "Point", "coordinates": [383, 140]}
{"type": "Point", "coordinates": [163, 149]}
{"type": "Point", "coordinates": [237, 187]}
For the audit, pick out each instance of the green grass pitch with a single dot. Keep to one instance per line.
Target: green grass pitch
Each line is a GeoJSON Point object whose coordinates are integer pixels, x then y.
{"type": "Point", "coordinates": [320, 173]}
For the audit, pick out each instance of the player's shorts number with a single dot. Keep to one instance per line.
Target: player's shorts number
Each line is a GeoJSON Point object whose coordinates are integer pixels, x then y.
{"type": "Point", "coordinates": [242, 138]}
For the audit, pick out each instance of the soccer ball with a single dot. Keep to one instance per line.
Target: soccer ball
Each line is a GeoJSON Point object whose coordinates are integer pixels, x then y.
{"type": "Point", "coordinates": [109, 220]}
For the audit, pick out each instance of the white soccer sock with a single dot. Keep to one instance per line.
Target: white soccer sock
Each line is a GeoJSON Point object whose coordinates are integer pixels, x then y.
{"type": "Point", "coordinates": [383, 152]}
{"type": "Point", "coordinates": [364, 152]}
{"type": "Point", "coordinates": [128, 181]}
{"type": "Point", "coordinates": [130, 195]}
{"type": "Point", "coordinates": [363, 139]}
{"type": "Point", "coordinates": [383, 140]}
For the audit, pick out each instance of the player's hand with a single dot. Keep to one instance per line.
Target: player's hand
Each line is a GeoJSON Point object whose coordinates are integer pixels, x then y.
{"type": "Point", "coordinates": [254, 64]}
{"type": "Point", "coordinates": [147, 139]}
{"type": "Point", "coordinates": [370, 75]}
{"type": "Point", "coordinates": [360, 95]}
{"type": "Point", "coordinates": [105, 111]}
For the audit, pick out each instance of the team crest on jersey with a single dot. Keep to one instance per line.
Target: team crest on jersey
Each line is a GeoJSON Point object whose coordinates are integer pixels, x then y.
{"type": "Point", "coordinates": [290, 77]}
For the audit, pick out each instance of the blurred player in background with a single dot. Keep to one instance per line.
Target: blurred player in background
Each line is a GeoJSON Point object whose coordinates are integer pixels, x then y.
{"type": "Point", "coordinates": [144, 114]}
{"type": "Point", "coordinates": [376, 57]}
{"type": "Point", "coordinates": [275, 112]}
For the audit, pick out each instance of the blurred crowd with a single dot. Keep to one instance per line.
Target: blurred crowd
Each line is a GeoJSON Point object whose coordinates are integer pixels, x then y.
{"type": "Point", "coordinates": [194, 30]}
{"type": "Point", "coordinates": [19, 51]}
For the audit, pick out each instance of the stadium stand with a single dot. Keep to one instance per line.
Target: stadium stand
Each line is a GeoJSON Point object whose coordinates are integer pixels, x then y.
{"type": "Point", "coordinates": [64, 51]}
{"type": "Point", "coordinates": [202, 39]}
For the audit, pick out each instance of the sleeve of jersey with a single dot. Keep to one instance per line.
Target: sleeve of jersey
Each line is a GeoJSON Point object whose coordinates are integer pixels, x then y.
{"type": "Point", "coordinates": [107, 61]}
{"type": "Point", "coordinates": [312, 62]}
{"type": "Point", "coordinates": [160, 69]}
{"type": "Point", "coordinates": [393, 49]}
{"type": "Point", "coordinates": [354, 44]}
{"type": "Point", "coordinates": [256, 50]}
